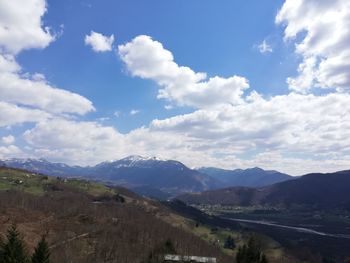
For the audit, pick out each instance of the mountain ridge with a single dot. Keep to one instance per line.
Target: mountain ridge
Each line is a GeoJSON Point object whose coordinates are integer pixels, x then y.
{"type": "Point", "coordinates": [315, 190]}
{"type": "Point", "coordinates": [133, 171]}
{"type": "Point", "coordinates": [138, 172]}
{"type": "Point", "coordinates": [250, 177]}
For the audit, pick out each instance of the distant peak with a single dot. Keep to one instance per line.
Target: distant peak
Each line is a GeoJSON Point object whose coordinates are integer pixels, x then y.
{"type": "Point", "coordinates": [255, 169]}
{"type": "Point", "coordinates": [135, 158]}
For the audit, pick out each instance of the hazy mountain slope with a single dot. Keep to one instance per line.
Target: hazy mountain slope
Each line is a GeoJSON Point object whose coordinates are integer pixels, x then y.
{"type": "Point", "coordinates": [45, 167]}
{"type": "Point", "coordinates": [253, 177]}
{"type": "Point", "coordinates": [321, 191]}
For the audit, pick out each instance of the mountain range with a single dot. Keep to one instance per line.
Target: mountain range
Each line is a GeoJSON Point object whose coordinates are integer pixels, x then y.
{"type": "Point", "coordinates": [317, 191]}
{"type": "Point", "coordinates": [251, 177]}
{"type": "Point", "coordinates": [152, 176]}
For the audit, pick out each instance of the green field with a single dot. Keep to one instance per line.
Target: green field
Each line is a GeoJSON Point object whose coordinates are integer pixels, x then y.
{"type": "Point", "coordinates": [11, 179]}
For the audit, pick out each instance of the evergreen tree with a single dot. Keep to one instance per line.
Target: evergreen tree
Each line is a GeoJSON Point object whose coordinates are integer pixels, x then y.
{"type": "Point", "coordinates": [157, 254]}
{"type": "Point", "coordinates": [229, 243]}
{"type": "Point", "coordinates": [263, 259]}
{"type": "Point", "coordinates": [250, 253]}
{"type": "Point", "coordinates": [41, 253]}
{"type": "Point", "coordinates": [169, 247]}
{"type": "Point", "coordinates": [13, 249]}
{"type": "Point", "coordinates": [1, 248]}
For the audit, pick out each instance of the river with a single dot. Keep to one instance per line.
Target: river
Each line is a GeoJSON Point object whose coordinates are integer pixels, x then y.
{"type": "Point", "coordinates": [295, 228]}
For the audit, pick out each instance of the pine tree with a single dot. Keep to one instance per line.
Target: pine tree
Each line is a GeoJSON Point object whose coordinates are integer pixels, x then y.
{"type": "Point", "coordinates": [263, 259]}
{"type": "Point", "coordinates": [13, 249]}
{"type": "Point", "coordinates": [41, 253]}
{"type": "Point", "coordinates": [157, 254]}
{"type": "Point", "coordinates": [229, 243]}
{"type": "Point", "coordinates": [250, 253]}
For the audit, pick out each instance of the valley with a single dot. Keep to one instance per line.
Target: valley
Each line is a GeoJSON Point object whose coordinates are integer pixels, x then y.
{"type": "Point", "coordinates": [309, 215]}
{"type": "Point", "coordinates": [285, 217]}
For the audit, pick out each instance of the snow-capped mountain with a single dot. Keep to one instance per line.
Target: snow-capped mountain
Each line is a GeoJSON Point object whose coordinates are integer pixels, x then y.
{"type": "Point", "coordinates": [167, 175]}
{"type": "Point", "coordinates": [133, 161]}
{"type": "Point", "coordinates": [133, 171]}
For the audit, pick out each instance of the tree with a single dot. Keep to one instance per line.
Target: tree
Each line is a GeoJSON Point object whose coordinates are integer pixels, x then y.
{"type": "Point", "coordinates": [41, 253]}
{"type": "Point", "coordinates": [229, 243]}
{"type": "Point", "coordinates": [157, 254]}
{"type": "Point", "coordinates": [263, 259]}
{"type": "Point", "coordinates": [13, 249]}
{"type": "Point", "coordinates": [250, 253]}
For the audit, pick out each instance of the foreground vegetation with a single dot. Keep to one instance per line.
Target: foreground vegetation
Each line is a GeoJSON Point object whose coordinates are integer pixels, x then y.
{"type": "Point", "coordinates": [13, 249]}
{"type": "Point", "coordinates": [87, 222]}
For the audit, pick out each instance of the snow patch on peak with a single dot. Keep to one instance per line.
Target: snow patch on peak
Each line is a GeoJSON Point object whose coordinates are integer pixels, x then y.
{"type": "Point", "coordinates": [136, 158]}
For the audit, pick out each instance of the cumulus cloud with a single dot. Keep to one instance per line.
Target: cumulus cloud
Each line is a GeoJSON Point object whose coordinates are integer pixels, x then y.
{"type": "Point", "coordinates": [292, 133]}
{"type": "Point", "coordinates": [83, 142]}
{"type": "Point", "coordinates": [26, 97]}
{"type": "Point", "coordinates": [264, 47]}
{"type": "Point", "coordinates": [291, 125]}
{"type": "Point", "coordinates": [292, 122]}
{"type": "Point", "coordinates": [11, 151]}
{"type": "Point", "coordinates": [99, 42]}
{"type": "Point", "coordinates": [18, 89]}
{"type": "Point", "coordinates": [12, 114]}
{"type": "Point", "coordinates": [8, 139]}
{"type": "Point", "coordinates": [148, 59]}
{"type": "Point", "coordinates": [324, 45]}
{"type": "Point", "coordinates": [134, 112]}
{"type": "Point", "coordinates": [21, 25]}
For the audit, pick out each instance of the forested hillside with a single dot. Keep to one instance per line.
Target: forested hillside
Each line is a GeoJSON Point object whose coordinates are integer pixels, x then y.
{"type": "Point", "coordinates": [88, 222]}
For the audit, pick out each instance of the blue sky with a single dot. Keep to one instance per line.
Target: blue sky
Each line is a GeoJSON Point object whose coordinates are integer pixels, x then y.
{"type": "Point", "coordinates": [274, 92]}
{"type": "Point", "coordinates": [217, 39]}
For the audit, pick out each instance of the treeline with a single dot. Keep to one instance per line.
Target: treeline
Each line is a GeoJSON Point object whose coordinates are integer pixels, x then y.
{"type": "Point", "coordinates": [14, 250]}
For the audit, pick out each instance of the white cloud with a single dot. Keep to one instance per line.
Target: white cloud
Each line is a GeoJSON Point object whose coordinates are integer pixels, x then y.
{"type": "Point", "coordinates": [74, 141]}
{"type": "Point", "coordinates": [99, 42]}
{"type": "Point", "coordinates": [168, 107]}
{"type": "Point", "coordinates": [264, 47]}
{"type": "Point", "coordinates": [148, 59]}
{"type": "Point", "coordinates": [18, 89]}
{"type": "Point", "coordinates": [10, 151]}
{"type": "Point", "coordinates": [8, 64]}
{"type": "Point", "coordinates": [290, 125]}
{"type": "Point", "coordinates": [134, 112]}
{"type": "Point", "coordinates": [8, 139]}
{"type": "Point", "coordinates": [103, 119]}
{"type": "Point", "coordinates": [21, 25]}
{"type": "Point", "coordinates": [26, 97]}
{"type": "Point", "coordinates": [292, 133]}
{"type": "Point", "coordinates": [117, 113]}
{"type": "Point", "coordinates": [12, 114]}
{"type": "Point", "coordinates": [324, 45]}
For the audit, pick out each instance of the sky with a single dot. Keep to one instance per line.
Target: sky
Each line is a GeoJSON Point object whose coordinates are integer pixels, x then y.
{"type": "Point", "coordinates": [230, 84]}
